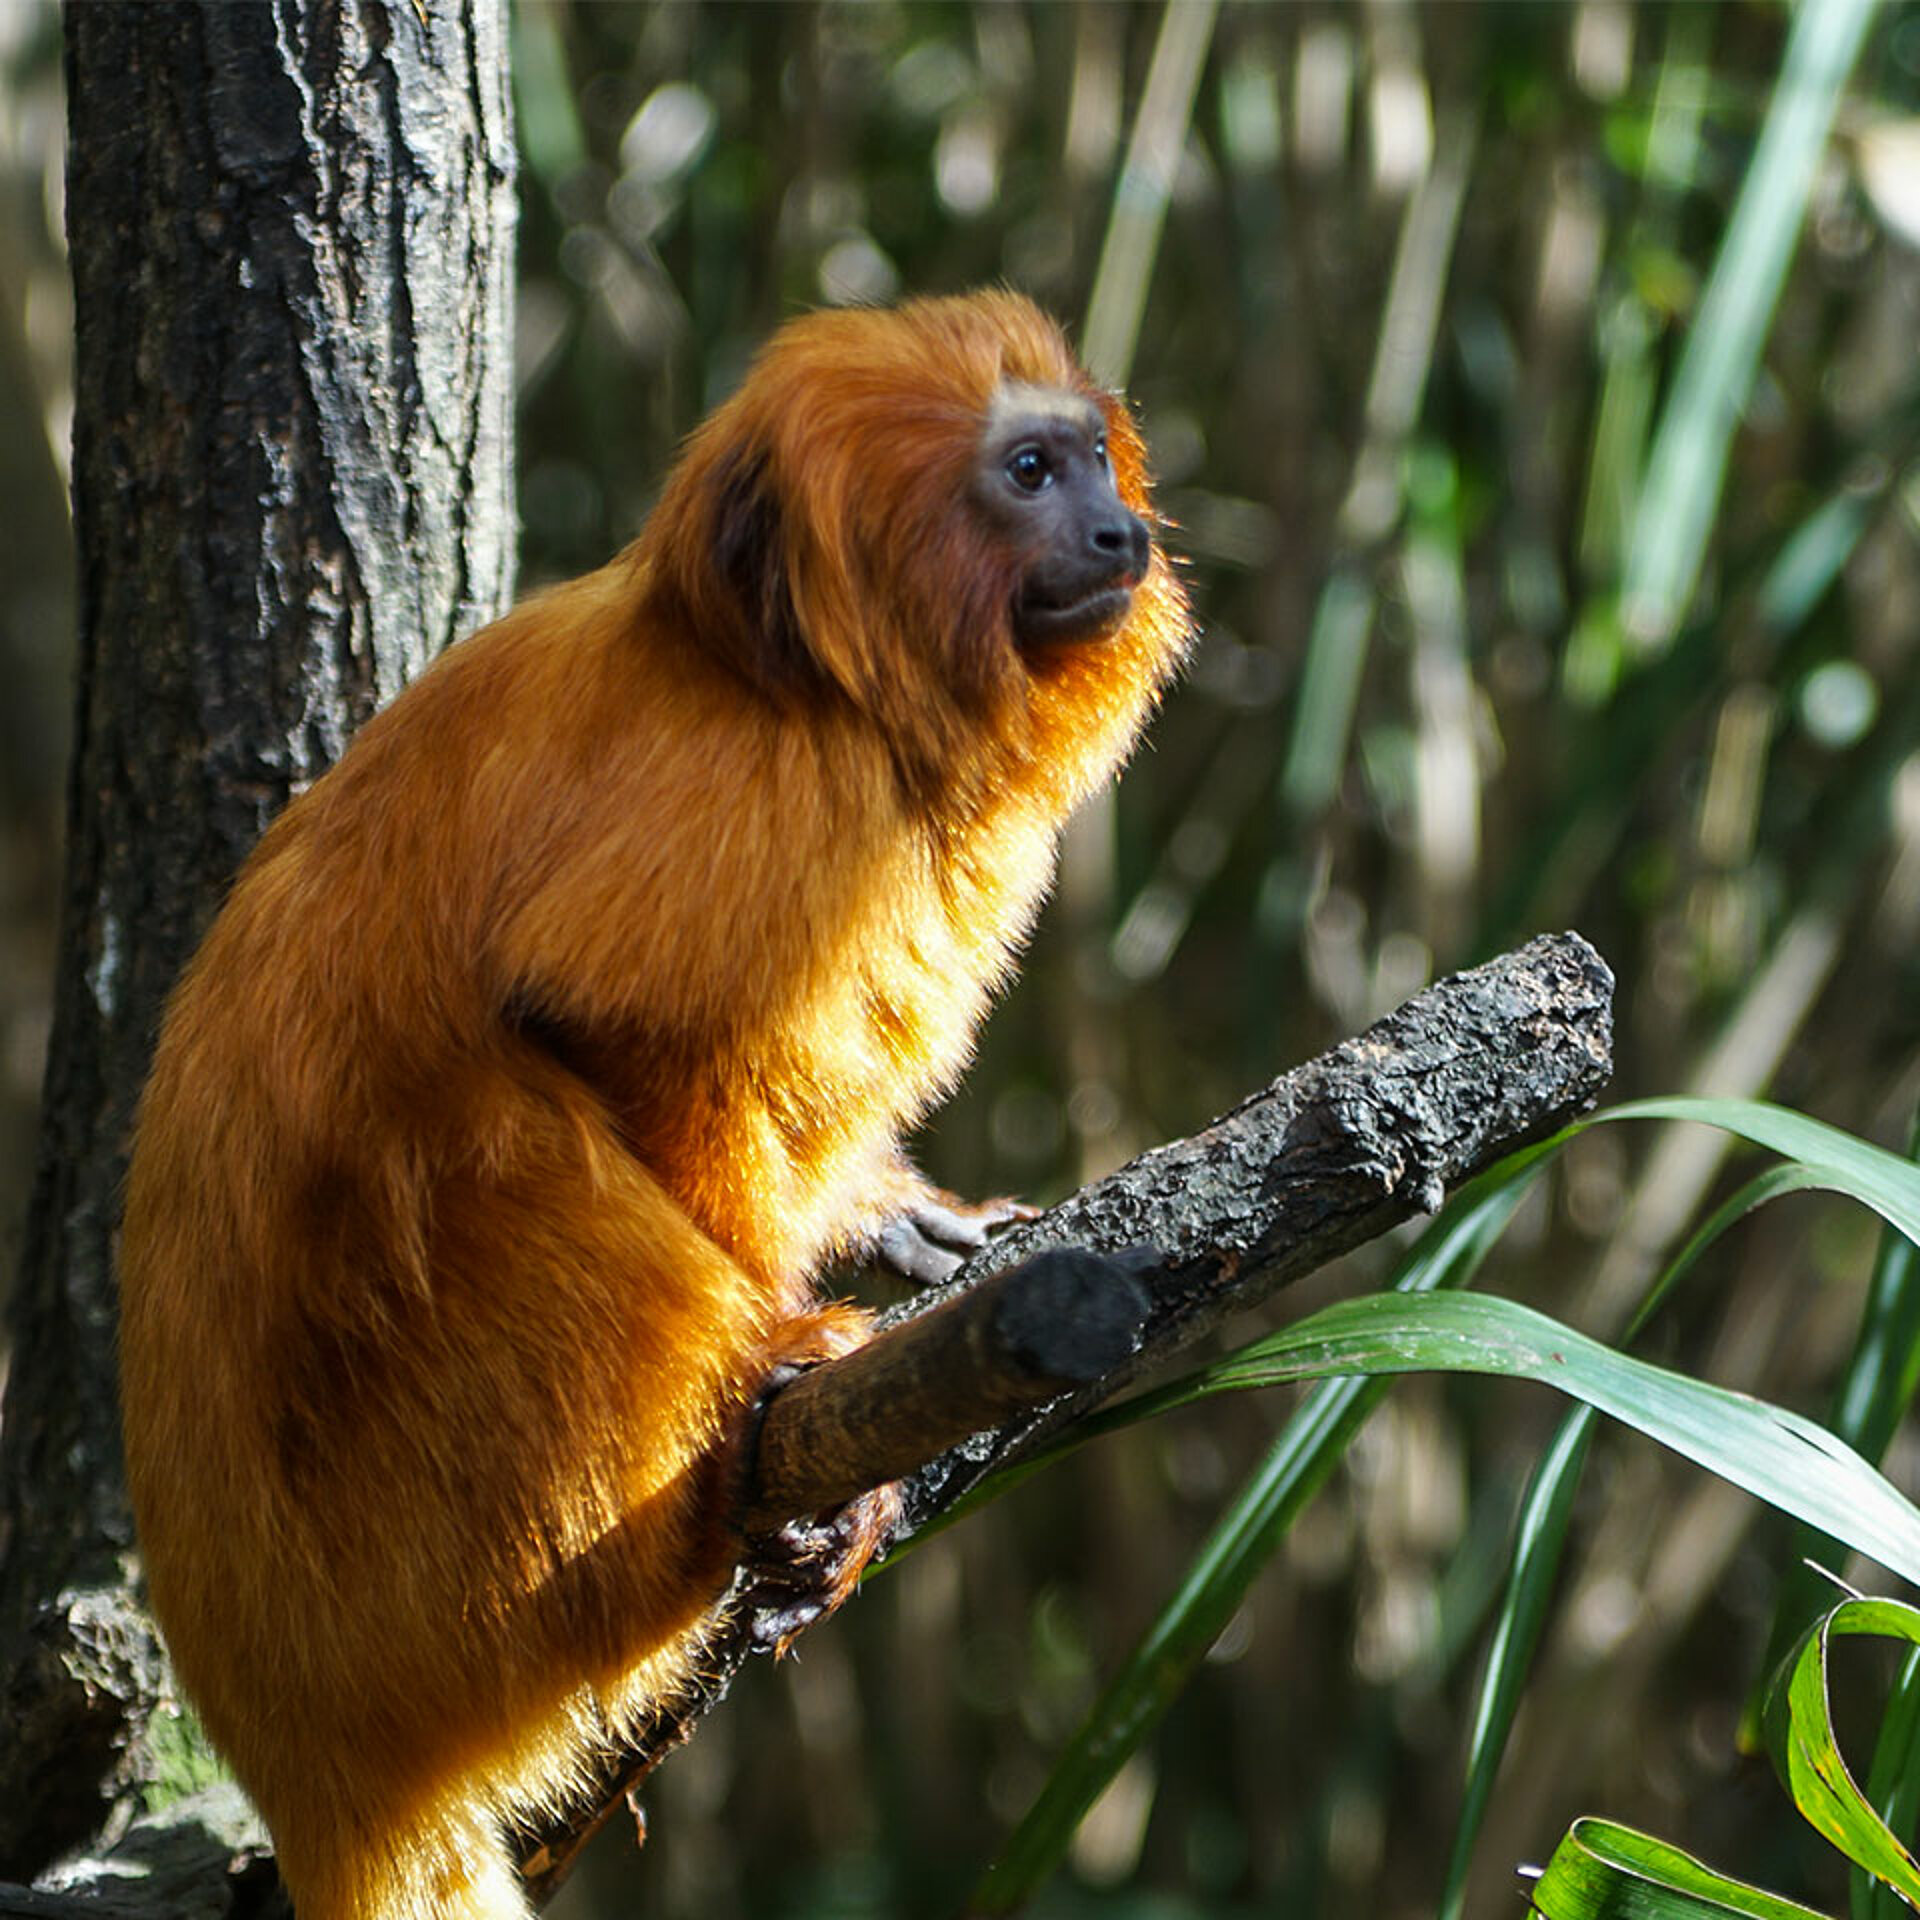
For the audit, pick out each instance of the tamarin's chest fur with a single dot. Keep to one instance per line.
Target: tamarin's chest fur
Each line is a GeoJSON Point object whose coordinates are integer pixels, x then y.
{"type": "Point", "coordinates": [759, 955]}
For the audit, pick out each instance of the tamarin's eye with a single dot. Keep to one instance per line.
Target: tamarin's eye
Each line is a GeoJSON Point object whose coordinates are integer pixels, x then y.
{"type": "Point", "coordinates": [1100, 451]}
{"type": "Point", "coordinates": [1028, 470]}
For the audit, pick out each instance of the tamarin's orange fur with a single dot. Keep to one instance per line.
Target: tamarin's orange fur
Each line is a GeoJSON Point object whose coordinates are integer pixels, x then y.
{"type": "Point", "coordinates": [548, 1046]}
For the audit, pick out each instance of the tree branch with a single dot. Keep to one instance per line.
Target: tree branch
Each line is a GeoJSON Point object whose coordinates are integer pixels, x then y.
{"type": "Point", "coordinates": [1329, 1156]}
{"type": "Point", "coordinates": [1065, 1319]}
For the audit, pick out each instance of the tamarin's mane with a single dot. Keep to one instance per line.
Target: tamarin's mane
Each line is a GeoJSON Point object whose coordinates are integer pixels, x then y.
{"type": "Point", "coordinates": [815, 533]}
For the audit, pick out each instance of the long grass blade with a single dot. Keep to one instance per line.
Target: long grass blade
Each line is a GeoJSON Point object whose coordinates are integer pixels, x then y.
{"type": "Point", "coordinates": [1603, 1871]}
{"type": "Point", "coordinates": [1884, 1181]}
{"type": "Point", "coordinates": [1875, 1391]}
{"type": "Point", "coordinates": [1783, 1459]}
{"type": "Point", "coordinates": [1145, 188]}
{"type": "Point", "coordinates": [1893, 1789]}
{"type": "Point", "coordinates": [1686, 466]}
{"type": "Point", "coordinates": [1540, 1541]}
{"type": "Point", "coordinates": [1806, 1747]}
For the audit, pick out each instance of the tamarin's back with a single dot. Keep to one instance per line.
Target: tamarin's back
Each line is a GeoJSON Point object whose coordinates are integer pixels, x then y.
{"type": "Point", "coordinates": [547, 1046]}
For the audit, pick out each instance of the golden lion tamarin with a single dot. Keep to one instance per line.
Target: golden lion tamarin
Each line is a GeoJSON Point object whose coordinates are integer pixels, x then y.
{"type": "Point", "coordinates": [548, 1046]}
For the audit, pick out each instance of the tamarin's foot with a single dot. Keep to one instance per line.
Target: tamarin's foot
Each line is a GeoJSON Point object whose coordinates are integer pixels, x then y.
{"type": "Point", "coordinates": [805, 1569]}
{"type": "Point", "coordinates": [927, 1241]}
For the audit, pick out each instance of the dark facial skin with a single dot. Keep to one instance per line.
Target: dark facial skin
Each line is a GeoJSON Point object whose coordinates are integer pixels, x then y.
{"type": "Point", "coordinates": [1045, 483]}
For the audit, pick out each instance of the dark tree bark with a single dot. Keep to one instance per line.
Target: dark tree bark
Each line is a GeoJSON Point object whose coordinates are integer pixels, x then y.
{"type": "Point", "coordinates": [291, 233]}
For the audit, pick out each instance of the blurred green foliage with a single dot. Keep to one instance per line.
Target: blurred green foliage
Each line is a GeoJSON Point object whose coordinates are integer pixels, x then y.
{"type": "Point", "coordinates": [1488, 648]}
{"type": "Point", "coordinates": [1537, 591]}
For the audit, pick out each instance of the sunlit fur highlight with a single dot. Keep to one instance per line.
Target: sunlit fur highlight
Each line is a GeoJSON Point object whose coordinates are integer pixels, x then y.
{"type": "Point", "coordinates": [542, 1053]}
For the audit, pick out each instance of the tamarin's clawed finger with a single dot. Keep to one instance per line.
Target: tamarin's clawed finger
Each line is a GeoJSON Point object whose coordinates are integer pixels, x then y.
{"type": "Point", "coordinates": [926, 1241]}
{"type": "Point", "coordinates": [554, 1040]}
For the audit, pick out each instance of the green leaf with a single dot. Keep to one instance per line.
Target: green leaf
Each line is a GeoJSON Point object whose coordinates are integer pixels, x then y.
{"type": "Point", "coordinates": [1687, 462]}
{"type": "Point", "coordinates": [1785, 1460]}
{"type": "Point", "coordinates": [1875, 1390]}
{"type": "Point", "coordinates": [1806, 1750]}
{"type": "Point", "coordinates": [1330, 675]}
{"type": "Point", "coordinates": [1603, 1871]}
{"type": "Point", "coordinates": [1893, 1788]}
{"type": "Point", "coordinates": [1540, 1540]}
{"type": "Point", "coordinates": [1884, 1181]}
{"type": "Point", "coordinates": [549, 123]}
{"type": "Point", "coordinates": [1810, 560]}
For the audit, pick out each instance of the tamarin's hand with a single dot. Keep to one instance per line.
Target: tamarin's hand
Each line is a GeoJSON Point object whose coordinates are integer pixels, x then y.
{"type": "Point", "coordinates": [926, 1242]}
{"type": "Point", "coordinates": [550, 1045]}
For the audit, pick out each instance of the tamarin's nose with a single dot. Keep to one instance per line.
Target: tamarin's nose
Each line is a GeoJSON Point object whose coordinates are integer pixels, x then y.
{"type": "Point", "coordinates": [1124, 538]}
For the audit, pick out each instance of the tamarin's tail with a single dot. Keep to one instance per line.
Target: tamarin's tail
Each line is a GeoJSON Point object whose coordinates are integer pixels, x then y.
{"type": "Point", "coordinates": [454, 1871]}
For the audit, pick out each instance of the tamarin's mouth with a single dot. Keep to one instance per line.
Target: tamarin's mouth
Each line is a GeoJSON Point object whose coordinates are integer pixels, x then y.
{"type": "Point", "coordinates": [1080, 618]}
{"type": "Point", "coordinates": [1083, 588]}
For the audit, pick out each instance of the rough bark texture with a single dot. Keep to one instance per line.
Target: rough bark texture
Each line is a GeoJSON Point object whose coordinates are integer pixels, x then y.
{"type": "Point", "coordinates": [1327, 1157]}
{"type": "Point", "coordinates": [982, 1358]}
{"type": "Point", "coordinates": [291, 235]}
{"type": "Point", "coordinates": [203, 1858]}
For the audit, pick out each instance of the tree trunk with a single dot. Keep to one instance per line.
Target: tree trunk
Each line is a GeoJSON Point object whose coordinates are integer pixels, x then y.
{"type": "Point", "coordinates": [291, 232]}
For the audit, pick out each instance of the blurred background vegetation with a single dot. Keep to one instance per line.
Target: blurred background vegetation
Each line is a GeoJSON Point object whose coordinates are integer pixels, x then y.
{"type": "Point", "coordinates": [1401, 292]}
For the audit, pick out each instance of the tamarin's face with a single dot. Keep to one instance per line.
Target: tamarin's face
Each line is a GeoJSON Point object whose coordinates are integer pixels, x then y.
{"type": "Point", "coordinates": [1045, 484]}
